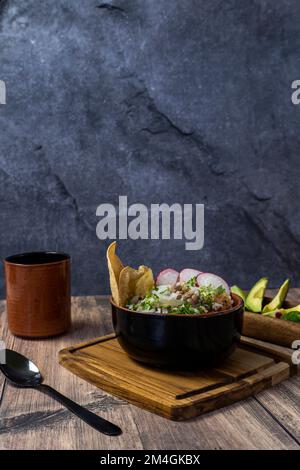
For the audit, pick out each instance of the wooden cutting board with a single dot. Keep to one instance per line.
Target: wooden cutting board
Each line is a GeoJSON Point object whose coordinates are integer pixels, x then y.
{"type": "Point", "coordinates": [178, 395]}
{"type": "Point", "coordinates": [273, 330]}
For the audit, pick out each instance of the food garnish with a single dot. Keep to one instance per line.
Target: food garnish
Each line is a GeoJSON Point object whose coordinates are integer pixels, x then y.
{"type": "Point", "coordinates": [237, 290]}
{"type": "Point", "coordinates": [186, 293]}
{"type": "Point", "coordinates": [126, 282]}
{"type": "Point", "coordinates": [187, 274]}
{"type": "Point", "coordinates": [115, 267]}
{"type": "Point", "coordinates": [208, 279]}
{"type": "Point", "coordinates": [282, 312]}
{"type": "Point", "coordinates": [292, 316]}
{"type": "Point", "coordinates": [167, 277]}
{"type": "Point", "coordinates": [279, 297]}
{"type": "Point", "coordinates": [256, 295]}
{"type": "Point", "coordinates": [254, 301]}
{"type": "Point", "coordinates": [183, 298]}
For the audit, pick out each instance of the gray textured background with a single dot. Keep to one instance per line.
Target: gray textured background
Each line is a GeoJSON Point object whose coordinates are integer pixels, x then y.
{"type": "Point", "coordinates": [161, 100]}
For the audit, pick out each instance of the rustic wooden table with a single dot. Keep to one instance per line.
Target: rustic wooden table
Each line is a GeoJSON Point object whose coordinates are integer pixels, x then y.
{"type": "Point", "coordinates": [31, 420]}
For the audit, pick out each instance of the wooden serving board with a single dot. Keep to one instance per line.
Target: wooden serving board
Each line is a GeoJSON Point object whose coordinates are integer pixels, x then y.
{"type": "Point", "coordinates": [178, 395]}
{"type": "Point", "coordinates": [273, 330]}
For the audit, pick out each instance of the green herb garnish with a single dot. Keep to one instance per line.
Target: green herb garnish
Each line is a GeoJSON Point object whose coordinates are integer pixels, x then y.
{"type": "Point", "coordinates": [192, 282]}
{"type": "Point", "coordinates": [292, 316]}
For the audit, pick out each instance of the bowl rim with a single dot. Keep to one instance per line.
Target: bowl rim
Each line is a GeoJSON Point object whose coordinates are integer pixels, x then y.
{"type": "Point", "coordinates": [237, 298]}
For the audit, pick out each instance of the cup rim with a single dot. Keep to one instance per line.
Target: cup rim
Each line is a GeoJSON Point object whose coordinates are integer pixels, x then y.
{"type": "Point", "coordinates": [15, 260]}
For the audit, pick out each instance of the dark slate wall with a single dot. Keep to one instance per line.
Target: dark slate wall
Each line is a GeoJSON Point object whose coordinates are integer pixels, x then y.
{"type": "Point", "coordinates": [164, 101]}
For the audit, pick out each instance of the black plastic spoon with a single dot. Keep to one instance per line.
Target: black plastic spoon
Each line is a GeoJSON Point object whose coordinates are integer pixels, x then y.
{"type": "Point", "coordinates": [23, 373]}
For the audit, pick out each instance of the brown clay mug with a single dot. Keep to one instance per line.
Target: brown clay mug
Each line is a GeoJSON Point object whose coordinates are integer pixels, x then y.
{"type": "Point", "coordinates": [38, 294]}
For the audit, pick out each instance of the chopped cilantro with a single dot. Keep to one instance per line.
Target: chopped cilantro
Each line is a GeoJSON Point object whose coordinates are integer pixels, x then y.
{"type": "Point", "coordinates": [167, 290]}
{"type": "Point", "coordinates": [186, 309]}
{"type": "Point", "coordinates": [292, 316]}
{"type": "Point", "coordinates": [192, 282]}
{"type": "Point", "coordinates": [158, 299]}
{"type": "Point", "coordinates": [220, 290]}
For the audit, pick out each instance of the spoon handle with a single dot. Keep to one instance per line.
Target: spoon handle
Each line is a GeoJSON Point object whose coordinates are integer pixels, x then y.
{"type": "Point", "coordinates": [98, 423]}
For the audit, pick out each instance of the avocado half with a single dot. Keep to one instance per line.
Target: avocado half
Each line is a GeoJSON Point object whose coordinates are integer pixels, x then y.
{"type": "Point", "coordinates": [279, 298]}
{"type": "Point", "coordinates": [255, 297]}
{"type": "Point", "coordinates": [237, 290]}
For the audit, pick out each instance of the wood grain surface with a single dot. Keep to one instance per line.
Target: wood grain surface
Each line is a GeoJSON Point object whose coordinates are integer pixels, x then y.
{"type": "Point", "coordinates": [273, 330]}
{"type": "Point", "coordinates": [30, 420]}
{"type": "Point", "coordinates": [177, 395]}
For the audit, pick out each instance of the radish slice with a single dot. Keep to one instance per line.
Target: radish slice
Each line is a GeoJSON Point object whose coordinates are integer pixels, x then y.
{"type": "Point", "coordinates": [167, 277]}
{"type": "Point", "coordinates": [188, 273]}
{"type": "Point", "coordinates": [208, 279]}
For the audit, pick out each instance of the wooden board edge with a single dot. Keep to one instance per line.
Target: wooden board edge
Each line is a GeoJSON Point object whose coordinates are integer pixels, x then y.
{"type": "Point", "coordinates": [271, 350]}
{"type": "Point", "coordinates": [85, 344]}
{"type": "Point", "coordinates": [231, 393]}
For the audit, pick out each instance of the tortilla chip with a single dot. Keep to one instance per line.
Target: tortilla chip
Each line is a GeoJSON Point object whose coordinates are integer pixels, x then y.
{"type": "Point", "coordinates": [145, 283]}
{"type": "Point", "coordinates": [127, 284]}
{"type": "Point", "coordinates": [115, 267]}
{"type": "Point", "coordinates": [134, 282]}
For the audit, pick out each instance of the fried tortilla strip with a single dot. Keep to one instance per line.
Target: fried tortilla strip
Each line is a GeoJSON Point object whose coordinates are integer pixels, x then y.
{"type": "Point", "coordinates": [127, 284]}
{"type": "Point", "coordinates": [115, 267]}
{"type": "Point", "coordinates": [145, 283]}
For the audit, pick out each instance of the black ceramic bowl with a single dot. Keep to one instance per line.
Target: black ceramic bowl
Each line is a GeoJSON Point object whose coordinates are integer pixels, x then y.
{"type": "Point", "coordinates": [179, 341]}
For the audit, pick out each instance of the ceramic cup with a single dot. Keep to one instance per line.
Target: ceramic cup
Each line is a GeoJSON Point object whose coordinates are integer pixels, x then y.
{"type": "Point", "coordinates": [38, 294]}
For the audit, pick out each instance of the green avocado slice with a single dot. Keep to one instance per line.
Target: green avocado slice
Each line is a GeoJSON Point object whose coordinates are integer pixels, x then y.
{"type": "Point", "coordinates": [279, 298]}
{"type": "Point", "coordinates": [283, 311]}
{"type": "Point", "coordinates": [292, 309]}
{"type": "Point", "coordinates": [255, 297]}
{"type": "Point", "coordinates": [237, 290]}
{"type": "Point", "coordinates": [274, 314]}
